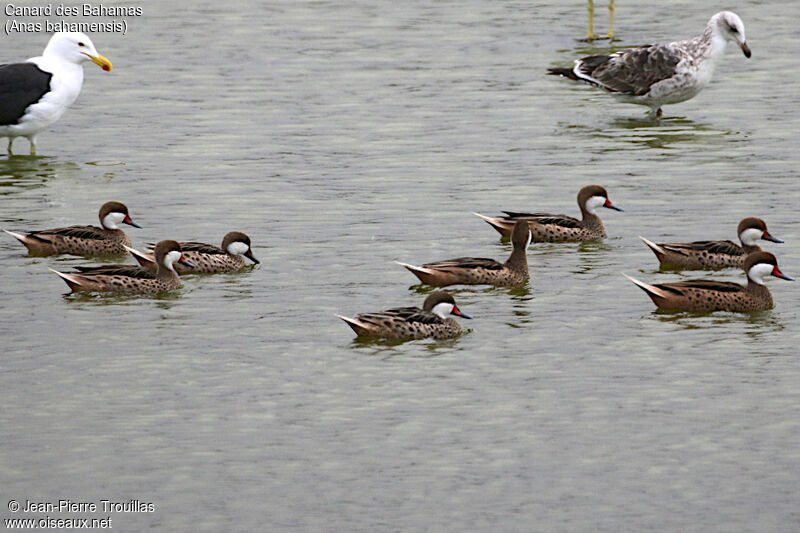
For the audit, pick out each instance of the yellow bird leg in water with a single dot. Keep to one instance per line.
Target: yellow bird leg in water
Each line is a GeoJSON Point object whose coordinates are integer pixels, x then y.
{"type": "Point", "coordinates": [611, 19]}
{"type": "Point", "coordinates": [590, 35]}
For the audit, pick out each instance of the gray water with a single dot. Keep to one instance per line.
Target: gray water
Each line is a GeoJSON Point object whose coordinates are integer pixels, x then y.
{"type": "Point", "coordinates": [342, 136]}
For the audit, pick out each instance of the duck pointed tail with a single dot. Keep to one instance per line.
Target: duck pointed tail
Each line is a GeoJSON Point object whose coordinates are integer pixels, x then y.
{"type": "Point", "coordinates": [72, 281]}
{"type": "Point", "coordinates": [502, 227]}
{"type": "Point", "coordinates": [20, 237]}
{"type": "Point", "coordinates": [355, 325]}
{"type": "Point", "coordinates": [145, 260]}
{"type": "Point", "coordinates": [31, 242]}
{"type": "Point", "coordinates": [658, 250]}
{"type": "Point", "coordinates": [652, 291]}
{"type": "Point", "coordinates": [424, 274]}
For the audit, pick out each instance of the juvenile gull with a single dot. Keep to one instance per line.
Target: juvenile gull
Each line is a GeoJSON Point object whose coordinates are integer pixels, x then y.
{"type": "Point", "coordinates": [34, 94]}
{"type": "Point", "coordinates": [655, 75]}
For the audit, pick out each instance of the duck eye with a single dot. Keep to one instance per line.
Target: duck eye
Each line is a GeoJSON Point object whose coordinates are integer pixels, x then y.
{"type": "Point", "coordinates": [81, 44]}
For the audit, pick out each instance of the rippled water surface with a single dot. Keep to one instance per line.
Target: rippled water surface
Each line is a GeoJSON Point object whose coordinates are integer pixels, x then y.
{"type": "Point", "coordinates": [342, 136]}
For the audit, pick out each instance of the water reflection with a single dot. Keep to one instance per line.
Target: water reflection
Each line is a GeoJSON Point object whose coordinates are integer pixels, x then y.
{"type": "Point", "coordinates": [105, 163]}
{"type": "Point", "coordinates": [588, 248]}
{"type": "Point", "coordinates": [67, 261]}
{"type": "Point", "coordinates": [518, 292]}
{"type": "Point", "coordinates": [660, 133]}
{"type": "Point", "coordinates": [591, 255]}
{"type": "Point", "coordinates": [164, 300]}
{"type": "Point", "coordinates": [755, 324]}
{"type": "Point", "coordinates": [19, 173]}
{"type": "Point", "coordinates": [646, 131]}
{"type": "Point", "coordinates": [388, 348]}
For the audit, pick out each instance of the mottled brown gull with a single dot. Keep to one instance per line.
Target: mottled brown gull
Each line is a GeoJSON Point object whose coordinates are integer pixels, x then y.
{"type": "Point", "coordinates": [655, 75]}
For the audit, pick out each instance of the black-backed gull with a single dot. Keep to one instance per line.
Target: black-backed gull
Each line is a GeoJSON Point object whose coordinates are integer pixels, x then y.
{"type": "Point", "coordinates": [34, 94]}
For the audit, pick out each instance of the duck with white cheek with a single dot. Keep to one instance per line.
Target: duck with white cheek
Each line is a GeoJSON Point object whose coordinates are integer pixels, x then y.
{"type": "Point", "coordinates": [713, 254]}
{"type": "Point", "coordinates": [108, 239]}
{"type": "Point", "coordinates": [35, 93]}
{"type": "Point", "coordinates": [708, 295]}
{"type": "Point", "coordinates": [560, 228]}
{"type": "Point", "coordinates": [130, 279]}
{"type": "Point", "coordinates": [406, 323]}
{"type": "Point", "coordinates": [207, 258]}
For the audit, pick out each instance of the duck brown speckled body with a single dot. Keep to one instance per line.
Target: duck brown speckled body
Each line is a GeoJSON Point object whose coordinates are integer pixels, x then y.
{"type": "Point", "coordinates": [709, 295]}
{"type": "Point", "coordinates": [713, 254]}
{"type": "Point", "coordinates": [207, 258]}
{"type": "Point", "coordinates": [407, 323]}
{"type": "Point", "coordinates": [479, 270]}
{"type": "Point", "coordinates": [561, 228]}
{"type": "Point", "coordinates": [130, 279]}
{"type": "Point", "coordinates": [83, 240]}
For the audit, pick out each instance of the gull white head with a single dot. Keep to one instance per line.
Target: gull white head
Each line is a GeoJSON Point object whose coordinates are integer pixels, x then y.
{"type": "Point", "coordinates": [592, 197]}
{"type": "Point", "coordinates": [759, 265]}
{"type": "Point", "coordinates": [730, 27]}
{"type": "Point", "coordinates": [442, 304]}
{"type": "Point", "coordinates": [76, 48]}
{"type": "Point", "coordinates": [751, 229]}
{"type": "Point", "coordinates": [114, 213]}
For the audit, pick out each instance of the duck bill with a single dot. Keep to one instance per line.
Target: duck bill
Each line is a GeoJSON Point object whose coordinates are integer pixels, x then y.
{"type": "Point", "coordinates": [609, 205]}
{"type": "Point", "coordinates": [745, 50]}
{"type": "Point", "coordinates": [778, 274]}
{"type": "Point", "coordinates": [251, 257]}
{"type": "Point", "coordinates": [184, 262]}
{"type": "Point", "coordinates": [130, 222]}
{"type": "Point", "coordinates": [768, 237]}
{"type": "Point", "coordinates": [100, 61]}
{"type": "Point", "coordinates": [456, 311]}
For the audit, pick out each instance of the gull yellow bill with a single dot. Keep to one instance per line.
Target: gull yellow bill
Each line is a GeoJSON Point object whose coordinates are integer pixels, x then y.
{"type": "Point", "coordinates": [100, 61]}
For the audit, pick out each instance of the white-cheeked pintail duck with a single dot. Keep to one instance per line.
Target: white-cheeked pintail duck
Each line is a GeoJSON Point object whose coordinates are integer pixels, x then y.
{"type": "Point", "coordinates": [83, 240]}
{"type": "Point", "coordinates": [479, 270]}
{"type": "Point", "coordinates": [709, 295]}
{"type": "Point", "coordinates": [130, 279]}
{"type": "Point", "coordinates": [560, 228]}
{"type": "Point", "coordinates": [207, 258]}
{"type": "Point", "coordinates": [713, 254]}
{"type": "Point", "coordinates": [406, 323]}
